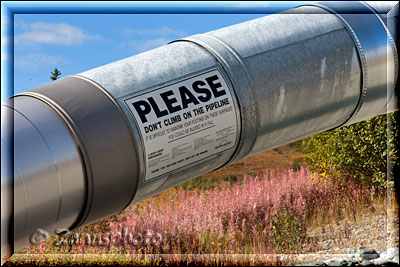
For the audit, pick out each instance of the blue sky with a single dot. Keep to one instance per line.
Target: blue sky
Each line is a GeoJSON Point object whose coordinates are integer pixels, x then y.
{"type": "Point", "coordinates": [77, 42]}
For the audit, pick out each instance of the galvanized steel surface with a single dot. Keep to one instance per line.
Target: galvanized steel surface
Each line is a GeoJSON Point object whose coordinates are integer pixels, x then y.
{"type": "Point", "coordinates": [377, 53]}
{"type": "Point", "coordinates": [265, 61]}
{"type": "Point", "coordinates": [49, 179]}
{"type": "Point", "coordinates": [105, 143]}
{"type": "Point", "coordinates": [148, 71]}
{"type": "Point", "coordinates": [295, 74]}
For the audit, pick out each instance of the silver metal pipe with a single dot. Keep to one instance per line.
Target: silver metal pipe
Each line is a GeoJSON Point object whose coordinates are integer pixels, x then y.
{"type": "Point", "coordinates": [49, 179]}
{"type": "Point", "coordinates": [87, 146]}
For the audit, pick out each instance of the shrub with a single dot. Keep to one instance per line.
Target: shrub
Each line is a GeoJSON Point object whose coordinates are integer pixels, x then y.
{"type": "Point", "coordinates": [358, 152]}
{"type": "Point", "coordinates": [288, 232]}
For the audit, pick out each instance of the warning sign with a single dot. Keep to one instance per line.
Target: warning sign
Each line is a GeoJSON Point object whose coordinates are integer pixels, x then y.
{"type": "Point", "coordinates": [185, 122]}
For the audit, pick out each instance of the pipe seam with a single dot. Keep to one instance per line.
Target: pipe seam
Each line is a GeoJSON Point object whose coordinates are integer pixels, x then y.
{"type": "Point", "coordinates": [121, 113]}
{"type": "Point", "coordinates": [94, 119]}
{"type": "Point", "coordinates": [395, 54]}
{"type": "Point", "coordinates": [241, 80]}
{"type": "Point", "coordinates": [78, 140]}
{"type": "Point", "coordinates": [367, 50]}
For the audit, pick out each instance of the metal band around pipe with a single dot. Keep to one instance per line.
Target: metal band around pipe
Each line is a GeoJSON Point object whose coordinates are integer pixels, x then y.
{"type": "Point", "coordinates": [241, 80]}
{"type": "Point", "coordinates": [110, 159]}
{"type": "Point", "coordinates": [376, 52]}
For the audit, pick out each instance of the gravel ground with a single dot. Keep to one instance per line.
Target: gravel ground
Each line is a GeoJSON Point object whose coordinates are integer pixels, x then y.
{"type": "Point", "coordinates": [376, 236]}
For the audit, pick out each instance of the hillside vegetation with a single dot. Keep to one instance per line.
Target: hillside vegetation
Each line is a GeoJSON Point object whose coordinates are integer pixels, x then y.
{"type": "Point", "coordinates": [277, 202]}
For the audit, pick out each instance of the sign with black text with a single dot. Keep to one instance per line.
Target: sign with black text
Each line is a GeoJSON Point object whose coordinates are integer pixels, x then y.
{"type": "Point", "coordinates": [185, 122]}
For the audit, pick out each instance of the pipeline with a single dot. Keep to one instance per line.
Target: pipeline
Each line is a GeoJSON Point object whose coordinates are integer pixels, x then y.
{"type": "Point", "coordinates": [86, 146]}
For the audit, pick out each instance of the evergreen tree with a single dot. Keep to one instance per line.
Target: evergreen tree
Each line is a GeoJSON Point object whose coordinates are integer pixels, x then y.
{"type": "Point", "coordinates": [55, 74]}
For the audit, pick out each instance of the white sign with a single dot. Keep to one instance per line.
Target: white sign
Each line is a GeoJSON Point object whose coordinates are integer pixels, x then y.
{"type": "Point", "coordinates": [185, 122]}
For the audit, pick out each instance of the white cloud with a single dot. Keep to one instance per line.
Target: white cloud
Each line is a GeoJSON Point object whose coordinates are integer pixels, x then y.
{"type": "Point", "coordinates": [35, 61]}
{"type": "Point", "coordinates": [4, 56]}
{"type": "Point", "coordinates": [5, 22]}
{"type": "Point", "coordinates": [52, 33]}
{"type": "Point", "coordinates": [161, 36]}
{"type": "Point", "coordinates": [163, 31]}
{"type": "Point", "coordinates": [5, 40]}
{"type": "Point", "coordinates": [141, 46]}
